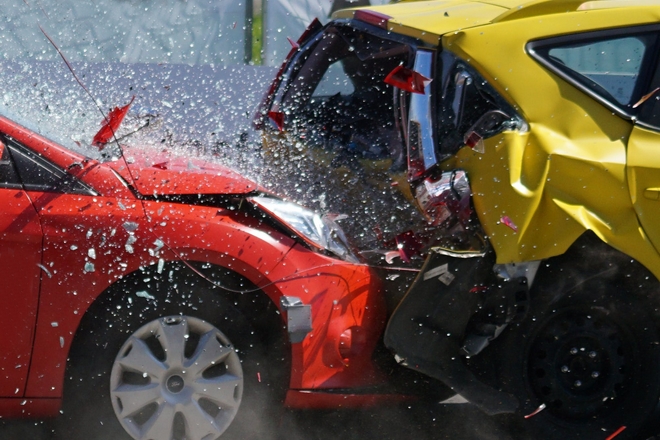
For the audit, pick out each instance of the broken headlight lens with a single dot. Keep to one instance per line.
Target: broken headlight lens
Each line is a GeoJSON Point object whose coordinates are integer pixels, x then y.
{"type": "Point", "coordinates": [319, 232]}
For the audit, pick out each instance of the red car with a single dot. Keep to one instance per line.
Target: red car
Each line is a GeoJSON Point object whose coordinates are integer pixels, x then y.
{"type": "Point", "coordinates": [154, 297]}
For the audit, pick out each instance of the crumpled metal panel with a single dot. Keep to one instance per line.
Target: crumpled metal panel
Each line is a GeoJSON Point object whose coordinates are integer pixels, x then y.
{"type": "Point", "coordinates": [536, 192]}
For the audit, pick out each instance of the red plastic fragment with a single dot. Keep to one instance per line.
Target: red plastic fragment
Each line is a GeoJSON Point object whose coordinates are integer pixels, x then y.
{"type": "Point", "coordinates": [379, 233]}
{"type": "Point", "coordinates": [472, 139]}
{"type": "Point", "coordinates": [110, 125]}
{"type": "Point", "coordinates": [372, 17]}
{"type": "Point", "coordinates": [536, 411]}
{"type": "Point", "coordinates": [160, 166]}
{"type": "Point", "coordinates": [313, 27]}
{"type": "Point", "coordinates": [293, 44]}
{"type": "Point", "coordinates": [408, 245]}
{"type": "Point", "coordinates": [278, 119]}
{"type": "Point", "coordinates": [508, 222]}
{"type": "Point", "coordinates": [615, 433]}
{"type": "Point", "coordinates": [407, 79]}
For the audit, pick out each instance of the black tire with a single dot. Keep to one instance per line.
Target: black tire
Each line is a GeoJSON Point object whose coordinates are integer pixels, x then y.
{"type": "Point", "coordinates": [122, 322]}
{"type": "Point", "coordinates": [588, 351]}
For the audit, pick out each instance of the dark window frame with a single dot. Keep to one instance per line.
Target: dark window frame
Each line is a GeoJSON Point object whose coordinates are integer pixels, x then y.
{"type": "Point", "coordinates": [63, 182]}
{"type": "Point", "coordinates": [449, 139]}
{"type": "Point", "coordinates": [9, 177]}
{"type": "Point", "coordinates": [281, 93]}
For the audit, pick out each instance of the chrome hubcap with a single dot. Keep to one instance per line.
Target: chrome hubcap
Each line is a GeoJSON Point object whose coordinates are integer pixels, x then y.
{"type": "Point", "coordinates": [176, 378]}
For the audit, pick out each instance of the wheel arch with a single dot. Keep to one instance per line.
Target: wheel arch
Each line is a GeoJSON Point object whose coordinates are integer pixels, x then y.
{"type": "Point", "coordinates": [589, 258]}
{"type": "Point", "coordinates": [246, 316]}
{"type": "Point", "coordinates": [257, 306]}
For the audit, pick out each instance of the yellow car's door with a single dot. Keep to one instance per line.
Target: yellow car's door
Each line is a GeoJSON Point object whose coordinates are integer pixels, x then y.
{"type": "Point", "coordinates": [644, 179]}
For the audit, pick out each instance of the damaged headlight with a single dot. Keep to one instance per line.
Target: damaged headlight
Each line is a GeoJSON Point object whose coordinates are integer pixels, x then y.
{"type": "Point", "coordinates": [319, 232]}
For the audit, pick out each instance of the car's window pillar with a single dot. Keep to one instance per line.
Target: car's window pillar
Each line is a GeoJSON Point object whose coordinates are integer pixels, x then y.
{"type": "Point", "coordinates": [421, 147]}
{"type": "Point", "coordinates": [8, 175]}
{"type": "Point", "coordinates": [648, 103]}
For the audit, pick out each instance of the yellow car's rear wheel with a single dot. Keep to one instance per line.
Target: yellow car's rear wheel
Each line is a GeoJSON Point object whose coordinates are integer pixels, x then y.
{"type": "Point", "coordinates": [586, 356]}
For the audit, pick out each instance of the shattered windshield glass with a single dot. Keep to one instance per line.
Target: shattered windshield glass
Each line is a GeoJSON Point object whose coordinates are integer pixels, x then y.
{"type": "Point", "coordinates": [335, 136]}
{"type": "Point", "coordinates": [337, 85]}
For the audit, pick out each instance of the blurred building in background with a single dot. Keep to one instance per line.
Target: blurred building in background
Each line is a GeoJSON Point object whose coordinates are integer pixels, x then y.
{"type": "Point", "coordinates": [194, 32]}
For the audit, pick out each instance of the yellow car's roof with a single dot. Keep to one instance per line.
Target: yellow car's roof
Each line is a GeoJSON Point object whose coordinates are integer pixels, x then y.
{"type": "Point", "coordinates": [430, 19]}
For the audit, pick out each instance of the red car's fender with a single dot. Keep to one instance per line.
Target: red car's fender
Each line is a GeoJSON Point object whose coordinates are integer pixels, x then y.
{"type": "Point", "coordinates": [115, 242]}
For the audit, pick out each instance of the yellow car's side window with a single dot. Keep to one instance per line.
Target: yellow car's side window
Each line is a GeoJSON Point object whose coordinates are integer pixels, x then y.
{"type": "Point", "coordinates": [612, 64]}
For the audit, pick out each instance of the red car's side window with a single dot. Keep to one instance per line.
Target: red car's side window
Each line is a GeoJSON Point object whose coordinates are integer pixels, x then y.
{"type": "Point", "coordinates": [8, 176]}
{"type": "Point", "coordinates": [35, 173]}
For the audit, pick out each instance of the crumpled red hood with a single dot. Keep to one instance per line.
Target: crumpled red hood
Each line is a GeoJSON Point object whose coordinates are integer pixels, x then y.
{"type": "Point", "coordinates": [167, 175]}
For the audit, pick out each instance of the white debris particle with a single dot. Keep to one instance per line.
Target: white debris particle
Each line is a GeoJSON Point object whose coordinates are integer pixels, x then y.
{"type": "Point", "coordinates": [61, 342]}
{"type": "Point", "coordinates": [159, 245]}
{"type": "Point", "coordinates": [89, 234]}
{"type": "Point", "coordinates": [73, 247]}
{"type": "Point", "coordinates": [121, 206]}
{"type": "Point", "coordinates": [130, 226]}
{"type": "Point", "coordinates": [161, 265]}
{"type": "Point", "coordinates": [54, 324]}
{"type": "Point", "coordinates": [42, 267]}
{"type": "Point", "coordinates": [89, 267]}
{"type": "Point", "coordinates": [91, 253]}
{"type": "Point", "coordinates": [129, 243]}
{"type": "Point", "coordinates": [446, 278]}
{"type": "Point", "coordinates": [144, 294]}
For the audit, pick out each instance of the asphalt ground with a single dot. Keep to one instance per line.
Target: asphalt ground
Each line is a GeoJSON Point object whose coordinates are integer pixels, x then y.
{"type": "Point", "coordinates": [455, 422]}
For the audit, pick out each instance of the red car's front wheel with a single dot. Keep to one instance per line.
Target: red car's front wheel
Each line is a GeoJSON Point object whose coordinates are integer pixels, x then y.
{"type": "Point", "coordinates": [172, 360]}
{"type": "Point", "coordinates": [176, 375]}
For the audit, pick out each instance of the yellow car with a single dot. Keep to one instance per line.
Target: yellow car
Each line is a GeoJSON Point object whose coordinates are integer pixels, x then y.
{"type": "Point", "coordinates": [527, 134]}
